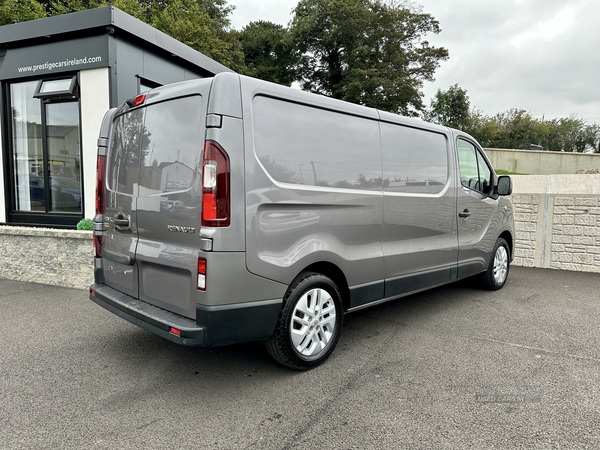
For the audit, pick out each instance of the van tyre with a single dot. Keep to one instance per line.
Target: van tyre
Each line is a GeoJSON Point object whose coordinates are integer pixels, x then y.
{"type": "Point", "coordinates": [497, 272]}
{"type": "Point", "coordinates": [309, 324]}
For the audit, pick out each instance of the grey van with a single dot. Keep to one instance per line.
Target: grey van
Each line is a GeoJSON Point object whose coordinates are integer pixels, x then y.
{"type": "Point", "coordinates": [231, 209]}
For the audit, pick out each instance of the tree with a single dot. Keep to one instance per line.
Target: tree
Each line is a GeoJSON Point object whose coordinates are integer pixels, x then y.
{"type": "Point", "coordinates": [450, 108]}
{"type": "Point", "coordinates": [516, 128]}
{"type": "Point", "coordinates": [14, 11]}
{"type": "Point", "coordinates": [267, 54]}
{"type": "Point", "coordinates": [202, 25]}
{"type": "Point", "coordinates": [574, 135]}
{"type": "Point", "coordinates": [483, 128]}
{"type": "Point", "coordinates": [365, 51]}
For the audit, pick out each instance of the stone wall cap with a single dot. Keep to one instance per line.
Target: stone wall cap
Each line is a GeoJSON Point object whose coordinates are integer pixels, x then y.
{"type": "Point", "coordinates": [46, 232]}
{"type": "Point", "coordinates": [557, 184]}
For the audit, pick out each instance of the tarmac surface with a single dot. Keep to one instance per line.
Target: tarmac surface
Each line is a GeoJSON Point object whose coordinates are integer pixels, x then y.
{"type": "Point", "coordinates": [451, 368]}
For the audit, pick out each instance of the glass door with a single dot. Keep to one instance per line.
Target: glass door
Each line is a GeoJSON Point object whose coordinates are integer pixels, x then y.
{"type": "Point", "coordinates": [28, 155]}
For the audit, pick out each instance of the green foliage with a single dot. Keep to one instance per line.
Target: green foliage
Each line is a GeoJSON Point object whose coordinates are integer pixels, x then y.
{"type": "Point", "coordinates": [85, 224]}
{"type": "Point", "coordinates": [450, 108]}
{"type": "Point", "coordinates": [268, 54]}
{"type": "Point", "coordinates": [202, 25]}
{"type": "Point", "coordinates": [506, 172]}
{"type": "Point", "coordinates": [514, 128]}
{"type": "Point", "coordinates": [14, 11]}
{"type": "Point", "coordinates": [365, 51]}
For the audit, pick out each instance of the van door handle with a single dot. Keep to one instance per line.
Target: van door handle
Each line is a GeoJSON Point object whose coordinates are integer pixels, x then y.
{"type": "Point", "coordinates": [121, 222]}
{"type": "Point", "coordinates": [464, 214]}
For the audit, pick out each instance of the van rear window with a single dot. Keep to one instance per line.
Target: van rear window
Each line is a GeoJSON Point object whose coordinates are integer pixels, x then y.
{"type": "Point", "coordinates": [124, 161]}
{"type": "Point", "coordinates": [301, 144]}
{"type": "Point", "coordinates": [172, 152]}
{"type": "Point", "coordinates": [157, 147]}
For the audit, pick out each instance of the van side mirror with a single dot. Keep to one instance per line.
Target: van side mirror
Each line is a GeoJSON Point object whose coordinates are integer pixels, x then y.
{"type": "Point", "coordinates": [504, 186]}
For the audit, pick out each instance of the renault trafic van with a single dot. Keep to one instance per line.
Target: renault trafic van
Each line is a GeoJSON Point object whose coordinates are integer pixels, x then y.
{"type": "Point", "coordinates": [231, 209]}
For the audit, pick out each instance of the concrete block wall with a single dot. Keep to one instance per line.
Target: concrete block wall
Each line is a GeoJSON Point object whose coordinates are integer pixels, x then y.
{"type": "Point", "coordinates": [48, 256]}
{"type": "Point", "coordinates": [557, 221]}
{"type": "Point", "coordinates": [535, 162]}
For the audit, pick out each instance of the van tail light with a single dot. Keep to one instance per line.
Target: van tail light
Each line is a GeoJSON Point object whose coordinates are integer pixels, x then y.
{"type": "Point", "coordinates": [100, 176]}
{"type": "Point", "coordinates": [215, 186]}
{"type": "Point", "coordinates": [98, 244]}
{"type": "Point", "coordinates": [201, 274]}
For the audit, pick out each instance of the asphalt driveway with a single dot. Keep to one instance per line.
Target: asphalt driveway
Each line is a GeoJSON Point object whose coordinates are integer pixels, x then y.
{"type": "Point", "coordinates": [451, 368]}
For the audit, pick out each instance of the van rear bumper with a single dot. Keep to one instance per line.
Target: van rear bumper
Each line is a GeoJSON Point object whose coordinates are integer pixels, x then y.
{"type": "Point", "coordinates": [147, 316]}
{"type": "Point", "coordinates": [214, 325]}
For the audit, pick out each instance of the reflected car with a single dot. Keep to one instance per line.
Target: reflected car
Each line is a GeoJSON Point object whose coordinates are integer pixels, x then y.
{"type": "Point", "coordinates": [65, 193]}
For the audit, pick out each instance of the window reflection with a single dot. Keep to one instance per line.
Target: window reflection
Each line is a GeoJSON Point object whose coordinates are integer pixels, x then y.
{"type": "Point", "coordinates": [474, 171]}
{"type": "Point", "coordinates": [168, 163]}
{"type": "Point", "coordinates": [64, 164]}
{"type": "Point", "coordinates": [129, 132]}
{"type": "Point", "coordinates": [28, 154]}
{"type": "Point", "coordinates": [306, 145]}
{"type": "Point", "coordinates": [414, 160]}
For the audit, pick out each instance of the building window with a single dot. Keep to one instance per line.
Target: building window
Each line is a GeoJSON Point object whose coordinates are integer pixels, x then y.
{"type": "Point", "coordinates": [145, 85]}
{"type": "Point", "coordinates": [46, 152]}
{"type": "Point", "coordinates": [64, 88]}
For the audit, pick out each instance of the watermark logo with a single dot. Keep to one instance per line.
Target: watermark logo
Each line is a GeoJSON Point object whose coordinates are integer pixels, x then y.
{"type": "Point", "coordinates": [508, 398]}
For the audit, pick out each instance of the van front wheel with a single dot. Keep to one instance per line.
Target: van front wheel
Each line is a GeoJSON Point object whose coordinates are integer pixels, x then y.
{"type": "Point", "coordinates": [497, 272]}
{"type": "Point", "coordinates": [310, 322]}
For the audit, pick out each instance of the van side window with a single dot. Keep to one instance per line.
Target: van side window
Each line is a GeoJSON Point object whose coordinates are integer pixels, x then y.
{"type": "Point", "coordinates": [172, 145]}
{"type": "Point", "coordinates": [301, 144]}
{"type": "Point", "coordinates": [123, 172]}
{"type": "Point", "coordinates": [474, 171]}
{"type": "Point", "coordinates": [414, 160]}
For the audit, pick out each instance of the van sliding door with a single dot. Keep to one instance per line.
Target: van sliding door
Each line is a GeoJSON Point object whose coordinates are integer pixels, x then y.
{"type": "Point", "coordinates": [419, 228]}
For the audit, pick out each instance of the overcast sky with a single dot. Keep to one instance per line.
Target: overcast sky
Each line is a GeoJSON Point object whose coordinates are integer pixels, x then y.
{"type": "Point", "coordinates": [539, 55]}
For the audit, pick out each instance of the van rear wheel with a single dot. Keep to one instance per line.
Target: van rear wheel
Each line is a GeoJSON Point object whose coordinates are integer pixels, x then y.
{"type": "Point", "coordinates": [497, 272]}
{"type": "Point", "coordinates": [310, 322]}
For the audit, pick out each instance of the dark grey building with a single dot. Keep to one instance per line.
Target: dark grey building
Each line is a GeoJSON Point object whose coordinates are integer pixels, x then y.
{"type": "Point", "coordinates": [58, 77]}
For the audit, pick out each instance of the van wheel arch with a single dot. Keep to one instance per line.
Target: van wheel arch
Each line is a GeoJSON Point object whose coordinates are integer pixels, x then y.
{"type": "Point", "coordinates": [509, 240]}
{"type": "Point", "coordinates": [332, 271]}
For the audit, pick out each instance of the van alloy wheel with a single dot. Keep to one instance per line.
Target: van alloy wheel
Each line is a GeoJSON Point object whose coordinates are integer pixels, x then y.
{"type": "Point", "coordinates": [500, 265]}
{"type": "Point", "coordinates": [497, 272]}
{"type": "Point", "coordinates": [313, 322]}
{"type": "Point", "coordinates": [310, 322]}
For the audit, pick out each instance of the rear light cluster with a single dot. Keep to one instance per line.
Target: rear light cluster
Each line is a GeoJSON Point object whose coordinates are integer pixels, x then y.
{"type": "Point", "coordinates": [100, 201]}
{"type": "Point", "coordinates": [98, 243]}
{"type": "Point", "coordinates": [201, 274]}
{"type": "Point", "coordinates": [215, 186]}
{"type": "Point", "coordinates": [100, 176]}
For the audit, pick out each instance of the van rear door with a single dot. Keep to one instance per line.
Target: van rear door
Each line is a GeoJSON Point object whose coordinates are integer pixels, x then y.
{"type": "Point", "coordinates": [169, 203]}
{"type": "Point", "coordinates": [120, 241]}
{"type": "Point", "coordinates": [154, 198]}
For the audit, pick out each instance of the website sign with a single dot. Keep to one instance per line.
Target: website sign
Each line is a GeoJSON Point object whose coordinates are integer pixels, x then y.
{"type": "Point", "coordinates": [55, 57]}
